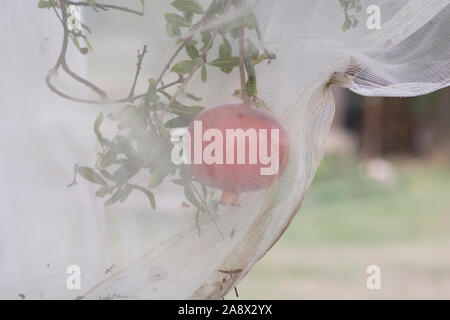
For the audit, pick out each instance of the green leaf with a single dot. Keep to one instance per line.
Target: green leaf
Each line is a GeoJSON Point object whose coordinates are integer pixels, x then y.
{"type": "Point", "coordinates": [44, 4]}
{"type": "Point", "coordinates": [148, 193]}
{"type": "Point", "coordinates": [125, 193]}
{"type": "Point", "coordinates": [188, 6]}
{"type": "Point", "coordinates": [197, 221]}
{"type": "Point", "coordinates": [206, 37]}
{"type": "Point", "coordinates": [192, 97]}
{"type": "Point", "coordinates": [347, 24]}
{"type": "Point", "coordinates": [250, 21]}
{"type": "Point", "coordinates": [173, 30]}
{"type": "Point", "coordinates": [88, 43]}
{"type": "Point", "coordinates": [106, 174]}
{"type": "Point", "coordinates": [192, 50]}
{"type": "Point", "coordinates": [125, 172]}
{"type": "Point", "coordinates": [226, 65]}
{"type": "Point", "coordinates": [219, 7]}
{"type": "Point", "coordinates": [103, 191]}
{"type": "Point", "coordinates": [184, 67]}
{"type": "Point", "coordinates": [225, 50]}
{"type": "Point", "coordinates": [252, 50]}
{"type": "Point", "coordinates": [251, 86]}
{"type": "Point", "coordinates": [250, 66]}
{"type": "Point", "coordinates": [155, 180]}
{"type": "Point", "coordinates": [177, 20]}
{"type": "Point", "coordinates": [108, 158]}
{"type": "Point", "coordinates": [204, 75]}
{"type": "Point", "coordinates": [189, 16]}
{"type": "Point", "coordinates": [204, 190]}
{"type": "Point", "coordinates": [97, 124]}
{"type": "Point", "coordinates": [185, 111]}
{"type": "Point", "coordinates": [190, 196]}
{"type": "Point", "coordinates": [114, 198]}
{"type": "Point", "coordinates": [151, 94]}
{"type": "Point", "coordinates": [260, 59]}
{"type": "Point", "coordinates": [158, 159]}
{"type": "Point", "coordinates": [124, 146]}
{"type": "Point", "coordinates": [90, 175]}
{"type": "Point", "coordinates": [233, 26]}
{"type": "Point", "coordinates": [76, 42]}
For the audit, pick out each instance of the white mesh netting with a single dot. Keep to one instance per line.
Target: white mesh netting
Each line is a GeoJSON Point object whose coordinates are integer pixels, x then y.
{"type": "Point", "coordinates": [128, 249]}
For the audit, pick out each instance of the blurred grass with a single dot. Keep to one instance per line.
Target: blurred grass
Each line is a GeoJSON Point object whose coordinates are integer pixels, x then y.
{"type": "Point", "coordinates": [349, 221]}
{"type": "Point", "coordinates": [344, 205]}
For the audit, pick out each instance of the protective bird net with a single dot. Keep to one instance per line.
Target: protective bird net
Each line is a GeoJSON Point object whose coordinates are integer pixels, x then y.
{"type": "Point", "coordinates": [134, 223]}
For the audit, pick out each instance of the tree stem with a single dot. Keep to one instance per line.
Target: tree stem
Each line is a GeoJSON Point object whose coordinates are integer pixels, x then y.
{"type": "Point", "coordinates": [245, 97]}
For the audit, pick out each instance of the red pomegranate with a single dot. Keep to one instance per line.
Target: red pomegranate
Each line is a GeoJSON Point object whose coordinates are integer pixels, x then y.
{"type": "Point", "coordinates": [245, 160]}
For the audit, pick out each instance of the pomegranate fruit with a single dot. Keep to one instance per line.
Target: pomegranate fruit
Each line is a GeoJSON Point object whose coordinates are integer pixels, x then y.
{"type": "Point", "coordinates": [252, 155]}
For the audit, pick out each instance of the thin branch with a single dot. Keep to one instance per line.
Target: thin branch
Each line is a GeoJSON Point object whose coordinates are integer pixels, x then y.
{"type": "Point", "coordinates": [104, 7]}
{"type": "Point", "coordinates": [241, 61]}
{"type": "Point", "coordinates": [52, 87]}
{"type": "Point", "coordinates": [169, 63]}
{"type": "Point", "coordinates": [186, 40]}
{"type": "Point", "coordinates": [200, 62]}
{"type": "Point", "coordinates": [205, 206]}
{"type": "Point", "coordinates": [205, 16]}
{"type": "Point", "coordinates": [101, 102]}
{"type": "Point", "coordinates": [139, 96]}
{"type": "Point", "coordinates": [140, 57]}
{"type": "Point", "coordinates": [85, 82]}
{"type": "Point", "coordinates": [61, 62]}
{"type": "Point", "coordinates": [74, 181]}
{"type": "Point", "coordinates": [62, 53]}
{"type": "Point", "coordinates": [170, 84]}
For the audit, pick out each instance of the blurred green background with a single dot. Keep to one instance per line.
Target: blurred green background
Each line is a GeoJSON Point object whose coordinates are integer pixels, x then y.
{"type": "Point", "coordinates": [387, 205]}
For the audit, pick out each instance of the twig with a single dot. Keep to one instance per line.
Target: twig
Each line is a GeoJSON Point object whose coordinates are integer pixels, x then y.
{"type": "Point", "coordinates": [74, 181]}
{"type": "Point", "coordinates": [200, 61]}
{"type": "Point", "coordinates": [241, 61]}
{"type": "Point", "coordinates": [205, 16]}
{"type": "Point", "coordinates": [186, 40]}
{"type": "Point", "coordinates": [164, 86]}
{"type": "Point", "coordinates": [61, 62]}
{"type": "Point", "coordinates": [138, 70]}
{"type": "Point", "coordinates": [205, 205]}
{"type": "Point", "coordinates": [85, 82]}
{"type": "Point", "coordinates": [104, 7]}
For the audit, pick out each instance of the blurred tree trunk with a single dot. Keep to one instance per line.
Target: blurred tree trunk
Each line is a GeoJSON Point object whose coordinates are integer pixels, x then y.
{"type": "Point", "coordinates": [440, 118]}
{"type": "Point", "coordinates": [372, 127]}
